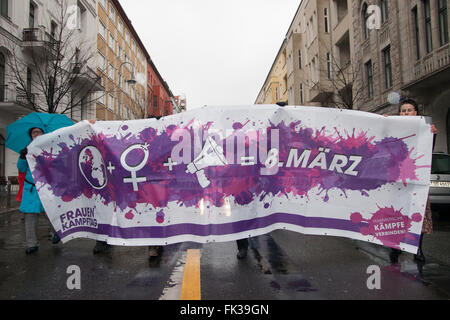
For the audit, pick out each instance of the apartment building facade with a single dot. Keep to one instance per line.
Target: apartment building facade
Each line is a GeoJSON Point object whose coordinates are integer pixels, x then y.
{"type": "Point", "coordinates": [317, 47]}
{"type": "Point", "coordinates": [275, 86]}
{"type": "Point", "coordinates": [406, 55]}
{"type": "Point", "coordinates": [160, 97]}
{"type": "Point", "coordinates": [31, 33]}
{"type": "Point", "coordinates": [121, 57]}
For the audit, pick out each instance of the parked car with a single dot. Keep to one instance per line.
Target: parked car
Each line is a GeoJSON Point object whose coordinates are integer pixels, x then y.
{"type": "Point", "coordinates": [440, 183]}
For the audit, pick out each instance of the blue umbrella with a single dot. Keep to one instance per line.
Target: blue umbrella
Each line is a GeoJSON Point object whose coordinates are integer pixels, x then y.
{"type": "Point", "coordinates": [17, 137]}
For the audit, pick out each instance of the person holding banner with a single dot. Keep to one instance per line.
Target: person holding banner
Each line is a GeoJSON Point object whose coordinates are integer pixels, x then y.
{"type": "Point", "coordinates": [409, 107]}
{"type": "Point", "coordinates": [30, 203]}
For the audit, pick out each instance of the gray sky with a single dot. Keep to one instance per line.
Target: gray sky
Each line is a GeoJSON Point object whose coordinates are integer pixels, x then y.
{"type": "Point", "coordinates": [216, 52]}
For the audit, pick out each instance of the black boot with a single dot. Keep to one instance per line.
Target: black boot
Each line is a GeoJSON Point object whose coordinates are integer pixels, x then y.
{"type": "Point", "coordinates": [419, 257]}
{"type": "Point", "coordinates": [31, 250]}
{"type": "Point", "coordinates": [56, 239]}
{"type": "Point", "coordinates": [242, 248]}
{"type": "Point", "coordinates": [100, 247]}
{"type": "Point", "coordinates": [394, 254]}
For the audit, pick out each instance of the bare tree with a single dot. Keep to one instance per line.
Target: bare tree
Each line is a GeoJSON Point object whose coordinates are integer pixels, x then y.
{"type": "Point", "coordinates": [141, 111]}
{"type": "Point", "coordinates": [344, 87]}
{"type": "Point", "coordinates": [51, 70]}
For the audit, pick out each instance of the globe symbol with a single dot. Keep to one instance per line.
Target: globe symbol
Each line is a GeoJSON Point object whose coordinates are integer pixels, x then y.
{"type": "Point", "coordinates": [92, 167]}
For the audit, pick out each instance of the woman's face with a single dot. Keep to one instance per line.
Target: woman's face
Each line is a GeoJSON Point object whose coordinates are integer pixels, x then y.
{"type": "Point", "coordinates": [408, 110]}
{"type": "Point", "coordinates": [36, 132]}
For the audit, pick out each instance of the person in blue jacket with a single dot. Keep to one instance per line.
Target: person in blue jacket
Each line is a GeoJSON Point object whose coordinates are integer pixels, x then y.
{"type": "Point", "coordinates": [31, 205]}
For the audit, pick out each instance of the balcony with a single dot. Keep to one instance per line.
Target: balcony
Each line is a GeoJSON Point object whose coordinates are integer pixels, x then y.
{"type": "Point", "coordinates": [428, 71]}
{"type": "Point", "coordinates": [320, 93]}
{"type": "Point", "coordinates": [340, 9]}
{"type": "Point", "coordinates": [39, 42]}
{"type": "Point", "coordinates": [15, 100]}
{"type": "Point", "coordinates": [85, 79]}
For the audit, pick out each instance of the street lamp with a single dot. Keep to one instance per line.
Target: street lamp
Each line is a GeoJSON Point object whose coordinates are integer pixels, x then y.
{"type": "Point", "coordinates": [131, 81]}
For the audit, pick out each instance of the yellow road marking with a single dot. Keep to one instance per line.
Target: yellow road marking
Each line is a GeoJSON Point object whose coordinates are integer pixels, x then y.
{"type": "Point", "coordinates": [190, 289]}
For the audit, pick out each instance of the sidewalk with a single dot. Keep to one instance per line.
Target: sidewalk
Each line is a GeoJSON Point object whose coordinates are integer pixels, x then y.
{"type": "Point", "coordinates": [8, 206]}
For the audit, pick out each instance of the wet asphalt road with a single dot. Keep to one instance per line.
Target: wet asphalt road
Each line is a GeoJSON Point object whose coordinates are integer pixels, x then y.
{"type": "Point", "coordinates": [282, 265]}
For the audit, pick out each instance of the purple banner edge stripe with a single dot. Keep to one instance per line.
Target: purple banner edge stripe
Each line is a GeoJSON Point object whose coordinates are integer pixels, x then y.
{"type": "Point", "coordinates": [227, 228]}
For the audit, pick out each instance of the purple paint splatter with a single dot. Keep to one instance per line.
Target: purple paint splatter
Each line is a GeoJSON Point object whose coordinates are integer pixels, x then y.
{"type": "Point", "coordinates": [383, 162]}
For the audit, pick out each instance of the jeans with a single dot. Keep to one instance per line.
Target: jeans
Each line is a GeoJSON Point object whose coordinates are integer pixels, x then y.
{"type": "Point", "coordinates": [31, 229]}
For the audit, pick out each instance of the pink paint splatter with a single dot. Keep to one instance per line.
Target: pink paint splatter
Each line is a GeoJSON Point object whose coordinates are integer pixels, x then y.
{"type": "Point", "coordinates": [160, 216]}
{"type": "Point", "coordinates": [129, 215]}
{"type": "Point", "coordinates": [387, 225]}
{"type": "Point", "coordinates": [408, 168]}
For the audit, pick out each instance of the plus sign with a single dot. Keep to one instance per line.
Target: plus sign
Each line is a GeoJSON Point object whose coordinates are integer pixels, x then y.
{"type": "Point", "coordinates": [170, 164]}
{"type": "Point", "coordinates": [134, 180]}
{"type": "Point", "coordinates": [110, 168]}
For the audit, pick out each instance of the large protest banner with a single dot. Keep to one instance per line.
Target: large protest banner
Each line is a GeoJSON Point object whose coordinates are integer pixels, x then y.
{"type": "Point", "coordinates": [226, 173]}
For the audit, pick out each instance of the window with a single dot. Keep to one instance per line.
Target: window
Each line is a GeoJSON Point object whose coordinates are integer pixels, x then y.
{"type": "Point", "coordinates": [112, 12]}
{"type": "Point", "coordinates": [77, 55]}
{"type": "Point", "coordinates": [299, 59]}
{"type": "Point", "coordinates": [311, 30]}
{"type": "Point", "coordinates": [365, 18]}
{"type": "Point", "coordinates": [314, 75]}
{"type": "Point", "coordinates": [53, 29]}
{"type": "Point", "coordinates": [428, 31]}
{"type": "Point", "coordinates": [443, 21]}
{"type": "Point", "coordinates": [2, 77]}
{"type": "Point", "coordinates": [103, 3]}
{"type": "Point", "coordinates": [81, 17]}
{"type": "Point", "coordinates": [119, 52]}
{"type": "Point", "coordinates": [120, 26]}
{"type": "Point", "coordinates": [369, 78]}
{"type": "Point", "coordinates": [387, 67]}
{"type": "Point", "coordinates": [329, 65]}
{"type": "Point", "coordinates": [31, 17]}
{"type": "Point", "coordinates": [127, 36]}
{"type": "Point", "coordinates": [102, 30]}
{"type": "Point", "coordinates": [301, 93]}
{"type": "Point", "coordinates": [327, 26]}
{"type": "Point", "coordinates": [111, 71]}
{"type": "Point", "coordinates": [110, 102]}
{"type": "Point", "coordinates": [101, 62]}
{"type": "Point", "coordinates": [416, 31]}
{"type": "Point", "coordinates": [29, 80]}
{"type": "Point", "coordinates": [101, 98]}
{"type": "Point", "coordinates": [111, 41]}
{"type": "Point", "coordinates": [4, 10]}
{"type": "Point", "coordinates": [384, 11]}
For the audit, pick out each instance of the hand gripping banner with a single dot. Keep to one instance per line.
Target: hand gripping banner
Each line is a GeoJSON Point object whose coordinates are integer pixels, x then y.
{"type": "Point", "coordinates": [226, 173]}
